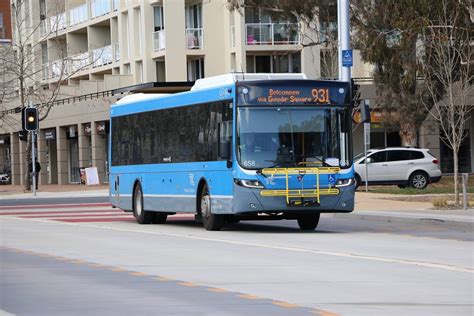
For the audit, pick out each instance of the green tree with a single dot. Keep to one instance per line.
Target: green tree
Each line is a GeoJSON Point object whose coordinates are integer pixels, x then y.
{"type": "Point", "coordinates": [387, 34]}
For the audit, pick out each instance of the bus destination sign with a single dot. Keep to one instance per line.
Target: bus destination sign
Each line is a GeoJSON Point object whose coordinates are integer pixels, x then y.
{"type": "Point", "coordinates": [295, 96]}
{"type": "Point", "coordinates": [307, 93]}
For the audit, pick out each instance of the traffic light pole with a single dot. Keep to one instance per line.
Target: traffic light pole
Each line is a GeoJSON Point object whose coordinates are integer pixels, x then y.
{"type": "Point", "coordinates": [33, 160]}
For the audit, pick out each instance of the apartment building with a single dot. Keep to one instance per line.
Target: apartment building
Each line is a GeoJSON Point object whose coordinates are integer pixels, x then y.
{"type": "Point", "coordinates": [101, 49]}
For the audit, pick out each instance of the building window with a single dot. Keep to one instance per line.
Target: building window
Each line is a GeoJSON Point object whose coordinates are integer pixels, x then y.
{"type": "Point", "coordinates": [160, 71]}
{"type": "Point", "coordinates": [289, 63]}
{"type": "Point", "coordinates": [194, 16]}
{"type": "Point", "coordinates": [2, 27]}
{"type": "Point", "coordinates": [195, 69]}
{"type": "Point", "coordinates": [158, 19]}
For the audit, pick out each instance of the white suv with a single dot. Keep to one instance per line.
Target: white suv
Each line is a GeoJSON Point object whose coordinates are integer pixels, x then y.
{"type": "Point", "coordinates": [405, 166]}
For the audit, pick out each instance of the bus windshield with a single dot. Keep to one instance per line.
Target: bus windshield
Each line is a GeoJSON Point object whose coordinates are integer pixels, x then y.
{"type": "Point", "coordinates": [291, 137]}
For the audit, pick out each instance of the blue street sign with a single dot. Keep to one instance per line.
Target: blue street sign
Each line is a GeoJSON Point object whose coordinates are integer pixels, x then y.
{"type": "Point", "coordinates": [347, 58]}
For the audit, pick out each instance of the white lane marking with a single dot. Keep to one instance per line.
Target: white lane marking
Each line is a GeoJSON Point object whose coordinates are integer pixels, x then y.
{"type": "Point", "coordinates": [4, 313]}
{"type": "Point", "coordinates": [269, 246]}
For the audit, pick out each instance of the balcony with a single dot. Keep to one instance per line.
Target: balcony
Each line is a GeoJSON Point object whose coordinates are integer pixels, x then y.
{"type": "Point", "coordinates": [100, 7]}
{"type": "Point", "coordinates": [194, 38]}
{"type": "Point", "coordinates": [102, 56]}
{"type": "Point", "coordinates": [272, 34]}
{"type": "Point", "coordinates": [78, 63]}
{"type": "Point", "coordinates": [78, 15]}
{"type": "Point", "coordinates": [72, 65]}
{"type": "Point", "coordinates": [159, 40]}
{"type": "Point", "coordinates": [58, 22]}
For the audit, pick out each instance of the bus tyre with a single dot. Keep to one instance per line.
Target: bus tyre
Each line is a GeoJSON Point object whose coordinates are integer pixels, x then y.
{"type": "Point", "coordinates": [160, 218]}
{"type": "Point", "coordinates": [308, 221]}
{"type": "Point", "coordinates": [358, 181]}
{"type": "Point", "coordinates": [210, 221]}
{"type": "Point", "coordinates": [142, 216]}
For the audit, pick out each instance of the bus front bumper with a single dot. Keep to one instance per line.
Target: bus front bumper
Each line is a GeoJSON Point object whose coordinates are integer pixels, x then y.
{"type": "Point", "coordinates": [250, 200]}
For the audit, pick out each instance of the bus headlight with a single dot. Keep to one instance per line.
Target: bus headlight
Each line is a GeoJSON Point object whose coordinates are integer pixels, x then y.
{"type": "Point", "coordinates": [344, 182]}
{"type": "Point", "coordinates": [249, 183]}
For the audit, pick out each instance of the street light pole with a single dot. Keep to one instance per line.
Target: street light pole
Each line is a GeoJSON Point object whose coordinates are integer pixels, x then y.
{"type": "Point", "coordinates": [344, 37]}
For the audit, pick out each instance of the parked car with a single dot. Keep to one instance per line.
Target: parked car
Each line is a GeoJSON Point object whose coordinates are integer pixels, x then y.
{"type": "Point", "coordinates": [403, 166]}
{"type": "Point", "coordinates": [4, 178]}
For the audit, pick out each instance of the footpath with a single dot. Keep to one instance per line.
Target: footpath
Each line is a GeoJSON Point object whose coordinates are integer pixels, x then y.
{"type": "Point", "coordinates": [369, 206]}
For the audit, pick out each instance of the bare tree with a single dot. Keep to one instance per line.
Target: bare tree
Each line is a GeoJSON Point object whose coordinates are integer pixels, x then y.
{"type": "Point", "coordinates": [448, 68]}
{"type": "Point", "coordinates": [26, 78]}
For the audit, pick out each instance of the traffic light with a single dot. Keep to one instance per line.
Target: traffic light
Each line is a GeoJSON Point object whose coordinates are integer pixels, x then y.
{"type": "Point", "coordinates": [30, 119]}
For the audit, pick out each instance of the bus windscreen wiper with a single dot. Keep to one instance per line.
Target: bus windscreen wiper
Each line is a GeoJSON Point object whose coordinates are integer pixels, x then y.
{"type": "Point", "coordinates": [322, 160]}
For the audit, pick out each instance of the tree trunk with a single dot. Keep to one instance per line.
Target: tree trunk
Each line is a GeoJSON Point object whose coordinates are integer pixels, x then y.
{"type": "Point", "coordinates": [456, 174]}
{"type": "Point", "coordinates": [407, 134]}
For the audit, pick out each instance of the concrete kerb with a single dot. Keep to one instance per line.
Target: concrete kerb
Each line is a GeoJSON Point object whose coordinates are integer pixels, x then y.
{"type": "Point", "coordinates": [455, 221]}
{"type": "Point", "coordinates": [67, 194]}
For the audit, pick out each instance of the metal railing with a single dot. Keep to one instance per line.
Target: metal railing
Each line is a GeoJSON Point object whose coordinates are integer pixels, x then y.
{"type": "Point", "coordinates": [194, 38]}
{"type": "Point", "coordinates": [57, 22]}
{"type": "Point", "coordinates": [78, 62]}
{"type": "Point", "coordinates": [272, 34]}
{"type": "Point", "coordinates": [78, 14]}
{"type": "Point", "coordinates": [100, 7]}
{"type": "Point", "coordinates": [159, 40]}
{"type": "Point", "coordinates": [101, 56]}
{"type": "Point", "coordinates": [83, 61]}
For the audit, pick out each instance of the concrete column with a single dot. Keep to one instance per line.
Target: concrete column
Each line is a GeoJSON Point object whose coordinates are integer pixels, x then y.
{"type": "Point", "coordinates": [84, 147]}
{"type": "Point", "coordinates": [98, 151]}
{"type": "Point", "coordinates": [62, 155]}
{"type": "Point", "coordinates": [15, 158]}
{"type": "Point", "coordinates": [176, 65]}
{"type": "Point", "coordinates": [42, 159]}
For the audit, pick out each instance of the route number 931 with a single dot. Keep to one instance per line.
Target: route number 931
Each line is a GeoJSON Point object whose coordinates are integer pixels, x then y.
{"type": "Point", "coordinates": [320, 95]}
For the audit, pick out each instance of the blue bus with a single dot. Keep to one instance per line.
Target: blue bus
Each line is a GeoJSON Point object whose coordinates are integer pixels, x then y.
{"type": "Point", "coordinates": [235, 147]}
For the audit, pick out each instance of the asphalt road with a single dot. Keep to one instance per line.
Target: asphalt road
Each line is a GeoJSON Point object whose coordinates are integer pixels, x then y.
{"type": "Point", "coordinates": [95, 260]}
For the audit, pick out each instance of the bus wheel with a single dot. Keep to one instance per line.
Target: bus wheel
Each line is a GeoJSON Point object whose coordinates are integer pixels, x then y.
{"type": "Point", "coordinates": [160, 218]}
{"type": "Point", "coordinates": [142, 216]}
{"type": "Point", "coordinates": [209, 220]}
{"type": "Point", "coordinates": [308, 221]}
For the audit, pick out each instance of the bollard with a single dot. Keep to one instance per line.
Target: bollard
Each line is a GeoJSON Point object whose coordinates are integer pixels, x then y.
{"type": "Point", "coordinates": [464, 191]}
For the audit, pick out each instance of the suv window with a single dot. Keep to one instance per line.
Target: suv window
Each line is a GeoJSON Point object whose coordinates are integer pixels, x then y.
{"type": "Point", "coordinates": [398, 155]}
{"type": "Point", "coordinates": [378, 156]}
{"type": "Point", "coordinates": [417, 154]}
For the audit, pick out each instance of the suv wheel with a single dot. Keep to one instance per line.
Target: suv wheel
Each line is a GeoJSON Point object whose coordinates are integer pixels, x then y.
{"type": "Point", "coordinates": [419, 180]}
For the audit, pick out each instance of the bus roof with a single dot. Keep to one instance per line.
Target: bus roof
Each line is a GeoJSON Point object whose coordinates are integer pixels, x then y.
{"type": "Point", "coordinates": [230, 79]}
{"type": "Point", "coordinates": [139, 97]}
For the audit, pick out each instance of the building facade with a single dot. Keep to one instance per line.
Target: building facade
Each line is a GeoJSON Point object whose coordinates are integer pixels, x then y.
{"type": "Point", "coordinates": [100, 49]}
